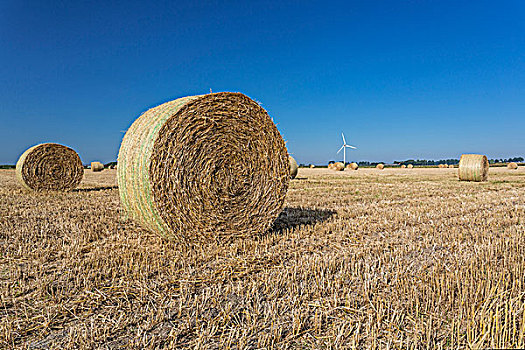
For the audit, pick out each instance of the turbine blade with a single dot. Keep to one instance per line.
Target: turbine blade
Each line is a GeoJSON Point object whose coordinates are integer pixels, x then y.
{"type": "Point", "coordinates": [344, 141]}
{"type": "Point", "coordinates": [351, 146]}
{"type": "Point", "coordinates": [340, 149]}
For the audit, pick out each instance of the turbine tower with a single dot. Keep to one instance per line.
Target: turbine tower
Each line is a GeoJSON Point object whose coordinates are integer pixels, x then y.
{"type": "Point", "coordinates": [344, 147]}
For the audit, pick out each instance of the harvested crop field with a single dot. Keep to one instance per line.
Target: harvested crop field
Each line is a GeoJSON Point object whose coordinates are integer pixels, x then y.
{"type": "Point", "coordinates": [367, 259]}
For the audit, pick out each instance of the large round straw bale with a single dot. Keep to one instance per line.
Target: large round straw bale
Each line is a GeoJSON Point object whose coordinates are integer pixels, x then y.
{"type": "Point", "coordinates": [410, 166]}
{"type": "Point", "coordinates": [204, 167]}
{"type": "Point", "coordinates": [473, 167]}
{"type": "Point", "coordinates": [512, 166]}
{"type": "Point", "coordinates": [330, 166]}
{"type": "Point", "coordinates": [97, 166]}
{"type": "Point", "coordinates": [312, 166]}
{"type": "Point", "coordinates": [49, 166]}
{"type": "Point", "coordinates": [293, 167]}
{"type": "Point", "coordinates": [380, 166]}
{"type": "Point", "coordinates": [403, 166]}
{"type": "Point", "coordinates": [339, 166]}
{"type": "Point", "coordinates": [451, 166]}
{"type": "Point", "coordinates": [353, 166]}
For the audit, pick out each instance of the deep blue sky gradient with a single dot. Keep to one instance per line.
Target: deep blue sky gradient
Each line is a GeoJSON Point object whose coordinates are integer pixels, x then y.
{"type": "Point", "coordinates": [402, 79]}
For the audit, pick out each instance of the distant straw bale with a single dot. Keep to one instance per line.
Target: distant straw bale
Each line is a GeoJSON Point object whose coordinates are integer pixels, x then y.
{"type": "Point", "coordinates": [49, 166]}
{"type": "Point", "coordinates": [339, 166]}
{"type": "Point", "coordinates": [410, 166]}
{"type": "Point", "coordinates": [312, 166]}
{"type": "Point", "coordinates": [293, 167]}
{"type": "Point", "coordinates": [473, 167]}
{"type": "Point", "coordinates": [451, 166]}
{"type": "Point", "coordinates": [380, 166]}
{"type": "Point", "coordinates": [206, 167]}
{"type": "Point", "coordinates": [512, 166]}
{"type": "Point", "coordinates": [353, 166]}
{"type": "Point", "coordinates": [403, 166]}
{"type": "Point", "coordinates": [97, 166]}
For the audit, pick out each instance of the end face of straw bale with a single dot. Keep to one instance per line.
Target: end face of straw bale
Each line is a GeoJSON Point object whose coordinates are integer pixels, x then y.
{"type": "Point", "coordinates": [403, 166]}
{"type": "Point", "coordinates": [204, 167]}
{"type": "Point", "coordinates": [49, 166]}
{"type": "Point", "coordinates": [380, 166]}
{"type": "Point", "coordinates": [512, 166]}
{"type": "Point", "coordinates": [473, 167]}
{"type": "Point", "coordinates": [410, 166]}
{"type": "Point", "coordinates": [294, 168]}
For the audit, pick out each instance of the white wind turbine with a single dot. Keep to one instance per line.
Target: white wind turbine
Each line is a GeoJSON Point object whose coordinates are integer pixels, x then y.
{"type": "Point", "coordinates": [344, 147]}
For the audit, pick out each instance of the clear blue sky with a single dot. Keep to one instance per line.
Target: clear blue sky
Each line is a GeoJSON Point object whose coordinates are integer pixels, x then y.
{"type": "Point", "coordinates": [402, 79]}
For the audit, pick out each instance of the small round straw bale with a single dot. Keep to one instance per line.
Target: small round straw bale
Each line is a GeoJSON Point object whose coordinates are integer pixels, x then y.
{"type": "Point", "coordinates": [97, 166]}
{"type": "Point", "coordinates": [451, 166]}
{"type": "Point", "coordinates": [49, 166]}
{"type": "Point", "coordinates": [312, 166]}
{"type": "Point", "coordinates": [339, 166]}
{"type": "Point", "coordinates": [293, 167]}
{"type": "Point", "coordinates": [353, 166]}
{"type": "Point", "coordinates": [410, 166]}
{"type": "Point", "coordinates": [380, 166]}
{"type": "Point", "coordinates": [512, 166]}
{"type": "Point", "coordinates": [330, 166]}
{"type": "Point", "coordinates": [202, 168]}
{"type": "Point", "coordinates": [403, 166]}
{"type": "Point", "coordinates": [473, 167]}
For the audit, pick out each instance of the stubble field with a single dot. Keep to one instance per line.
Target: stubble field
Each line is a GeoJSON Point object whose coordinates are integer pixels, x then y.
{"type": "Point", "coordinates": [397, 258]}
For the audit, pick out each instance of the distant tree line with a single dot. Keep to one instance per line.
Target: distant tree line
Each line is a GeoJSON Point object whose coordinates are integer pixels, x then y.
{"type": "Point", "coordinates": [430, 162]}
{"type": "Point", "coordinates": [454, 161]}
{"type": "Point", "coordinates": [427, 161]}
{"type": "Point", "coordinates": [515, 160]}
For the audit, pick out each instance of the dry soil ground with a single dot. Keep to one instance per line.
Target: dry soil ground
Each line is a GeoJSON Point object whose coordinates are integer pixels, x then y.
{"type": "Point", "coordinates": [368, 258]}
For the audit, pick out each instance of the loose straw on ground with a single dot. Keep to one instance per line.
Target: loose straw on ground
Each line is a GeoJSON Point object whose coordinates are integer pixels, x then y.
{"type": "Point", "coordinates": [204, 167]}
{"type": "Point", "coordinates": [49, 166]}
{"type": "Point", "coordinates": [293, 167]}
{"type": "Point", "coordinates": [473, 167]}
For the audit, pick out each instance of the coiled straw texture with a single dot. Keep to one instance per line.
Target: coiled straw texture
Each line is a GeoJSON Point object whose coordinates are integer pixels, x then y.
{"type": "Point", "coordinates": [473, 167]}
{"type": "Point", "coordinates": [204, 167]}
{"type": "Point", "coordinates": [49, 166]}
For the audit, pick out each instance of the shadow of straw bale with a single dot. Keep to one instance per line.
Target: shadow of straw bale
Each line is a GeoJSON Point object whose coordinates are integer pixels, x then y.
{"type": "Point", "coordinates": [101, 188]}
{"type": "Point", "coordinates": [292, 217]}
